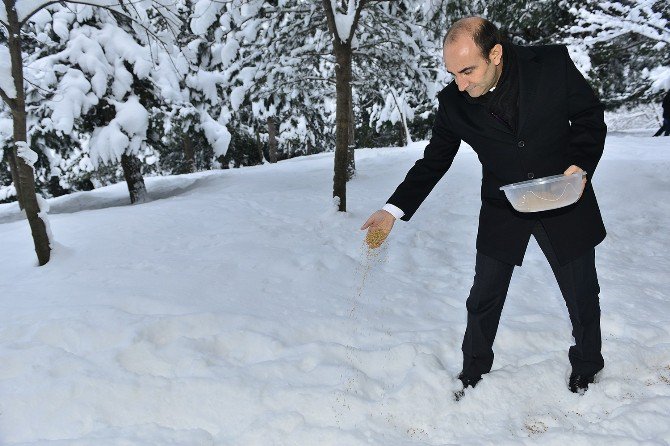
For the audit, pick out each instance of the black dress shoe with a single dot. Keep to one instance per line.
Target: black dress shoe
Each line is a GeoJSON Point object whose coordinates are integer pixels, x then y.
{"type": "Point", "coordinates": [467, 381]}
{"type": "Point", "coordinates": [580, 383]}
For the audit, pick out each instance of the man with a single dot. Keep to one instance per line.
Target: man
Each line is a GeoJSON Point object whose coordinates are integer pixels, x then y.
{"type": "Point", "coordinates": [528, 113]}
{"type": "Point", "coordinates": [665, 127]}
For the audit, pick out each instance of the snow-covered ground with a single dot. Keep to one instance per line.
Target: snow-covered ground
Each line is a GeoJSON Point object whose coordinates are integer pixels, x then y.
{"type": "Point", "coordinates": [238, 308]}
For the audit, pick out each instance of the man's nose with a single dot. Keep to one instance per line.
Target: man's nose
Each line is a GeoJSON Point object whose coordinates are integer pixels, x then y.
{"type": "Point", "coordinates": [462, 84]}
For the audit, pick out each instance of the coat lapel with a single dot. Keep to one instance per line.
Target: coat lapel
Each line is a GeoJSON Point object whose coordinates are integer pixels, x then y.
{"type": "Point", "coordinates": [486, 121]}
{"type": "Point", "coordinates": [529, 77]}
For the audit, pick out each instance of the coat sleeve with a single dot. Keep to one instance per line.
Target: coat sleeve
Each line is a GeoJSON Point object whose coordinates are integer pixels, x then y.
{"type": "Point", "coordinates": [587, 122]}
{"type": "Point", "coordinates": [427, 171]}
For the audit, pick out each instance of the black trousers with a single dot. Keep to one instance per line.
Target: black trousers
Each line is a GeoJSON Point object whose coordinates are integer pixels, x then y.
{"type": "Point", "coordinates": [578, 283]}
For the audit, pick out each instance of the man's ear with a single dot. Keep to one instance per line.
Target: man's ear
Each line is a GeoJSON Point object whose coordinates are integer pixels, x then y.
{"type": "Point", "coordinates": [496, 54]}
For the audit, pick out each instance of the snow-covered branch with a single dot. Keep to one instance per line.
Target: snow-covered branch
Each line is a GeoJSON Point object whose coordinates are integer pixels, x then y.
{"type": "Point", "coordinates": [345, 23]}
{"type": "Point", "coordinates": [7, 88]}
{"type": "Point", "coordinates": [7, 99]}
{"type": "Point", "coordinates": [605, 21]}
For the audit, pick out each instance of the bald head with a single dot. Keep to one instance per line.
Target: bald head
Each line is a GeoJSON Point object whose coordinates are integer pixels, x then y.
{"type": "Point", "coordinates": [484, 33]}
{"type": "Point", "coordinates": [473, 55]}
{"type": "Point", "coordinates": [467, 25]}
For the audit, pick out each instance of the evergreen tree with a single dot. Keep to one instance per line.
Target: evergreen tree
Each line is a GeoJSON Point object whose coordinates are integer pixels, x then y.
{"type": "Point", "coordinates": [13, 19]}
{"type": "Point", "coordinates": [628, 43]}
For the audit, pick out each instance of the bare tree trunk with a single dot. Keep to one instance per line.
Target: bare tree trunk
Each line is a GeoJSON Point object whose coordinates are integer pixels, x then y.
{"type": "Point", "coordinates": [404, 131]}
{"type": "Point", "coordinates": [132, 172]}
{"type": "Point", "coordinates": [261, 158]}
{"type": "Point", "coordinates": [25, 186]}
{"type": "Point", "coordinates": [11, 159]}
{"type": "Point", "coordinates": [351, 149]}
{"type": "Point", "coordinates": [343, 56]}
{"type": "Point", "coordinates": [407, 138]}
{"type": "Point", "coordinates": [272, 140]}
{"type": "Point", "coordinates": [189, 153]}
{"type": "Point", "coordinates": [310, 148]}
{"type": "Point", "coordinates": [342, 82]}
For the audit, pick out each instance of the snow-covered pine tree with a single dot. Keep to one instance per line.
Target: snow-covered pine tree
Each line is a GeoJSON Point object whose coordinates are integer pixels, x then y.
{"type": "Point", "coordinates": [195, 124]}
{"type": "Point", "coordinates": [108, 74]}
{"type": "Point", "coordinates": [63, 164]}
{"type": "Point", "coordinates": [126, 129]}
{"type": "Point", "coordinates": [398, 63]}
{"type": "Point", "coordinates": [394, 60]}
{"type": "Point", "coordinates": [280, 80]}
{"type": "Point", "coordinates": [289, 66]}
{"type": "Point", "coordinates": [628, 45]}
{"type": "Point", "coordinates": [21, 158]}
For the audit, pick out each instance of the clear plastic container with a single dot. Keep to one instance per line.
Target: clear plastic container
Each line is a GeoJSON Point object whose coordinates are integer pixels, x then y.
{"type": "Point", "coordinates": [543, 194]}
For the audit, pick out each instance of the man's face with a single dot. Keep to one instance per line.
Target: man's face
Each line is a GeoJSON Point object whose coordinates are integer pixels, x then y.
{"type": "Point", "coordinates": [473, 74]}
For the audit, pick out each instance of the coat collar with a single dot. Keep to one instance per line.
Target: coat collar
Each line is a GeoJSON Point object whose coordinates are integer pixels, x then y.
{"type": "Point", "coordinates": [529, 76]}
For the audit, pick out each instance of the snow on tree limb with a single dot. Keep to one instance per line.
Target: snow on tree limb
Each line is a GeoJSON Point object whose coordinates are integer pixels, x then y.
{"type": "Point", "coordinates": [205, 13]}
{"type": "Point", "coordinates": [660, 77]}
{"type": "Point", "coordinates": [124, 134]}
{"type": "Point", "coordinates": [344, 22]}
{"type": "Point", "coordinates": [605, 21]}
{"type": "Point", "coordinates": [216, 133]}
{"type": "Point", "coordinates": [137, 10]}
{"type": "Point", "coordinates": [6, 132]}
{"type": "Point", "coordinates": [24, 152]}
{"type": "Point", "coordinates": [7, 88]}
{"type": "Point", "coordinates": [43, 215]}
{"type": "Point", "coordinates": [27, 8]}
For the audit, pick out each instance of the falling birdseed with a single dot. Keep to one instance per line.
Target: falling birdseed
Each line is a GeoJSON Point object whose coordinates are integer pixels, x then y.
{"type": "Point", "coordinates": [373, 251]}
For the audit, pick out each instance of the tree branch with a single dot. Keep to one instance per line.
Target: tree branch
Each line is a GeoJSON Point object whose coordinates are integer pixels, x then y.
{"type": "Point", "coordinates": [127, 16]}
{"type": "Point", "coordinates": [330, 18]}
{"type": "Point", "coordinates": [36, 10]}
{"type": "Point", "coordinates": [80, 2]}
{"type": "Point", "coordinates": [262, 94]}
{"type": "Point", "coordinates": [357, 16]}
{"type": "Point", "coordinates": [5, 97]}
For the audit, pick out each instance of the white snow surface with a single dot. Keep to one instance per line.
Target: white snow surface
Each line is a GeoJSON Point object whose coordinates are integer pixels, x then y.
{"type": "Point", "coordinates": [238, 308]}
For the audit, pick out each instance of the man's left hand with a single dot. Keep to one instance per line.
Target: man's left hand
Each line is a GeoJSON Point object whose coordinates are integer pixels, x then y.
{"type": "Point", "coordinates": [576, 169]}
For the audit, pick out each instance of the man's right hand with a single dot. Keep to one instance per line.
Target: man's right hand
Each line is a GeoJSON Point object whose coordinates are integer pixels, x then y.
{"type": "Point", "coordinates": [379, 226]}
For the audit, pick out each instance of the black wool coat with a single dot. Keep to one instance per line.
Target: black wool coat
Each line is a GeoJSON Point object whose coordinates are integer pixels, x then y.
{"type": "Point", "coordinates": [560, 124]}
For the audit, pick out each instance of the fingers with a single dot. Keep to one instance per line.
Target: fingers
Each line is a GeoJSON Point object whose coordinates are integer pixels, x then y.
{"type": "Point", "coordinates": [379, 226]}
{"type": "Point", "coordinates": [368, 223]}
{"type": "Point", "coordinates": [375, 220]}
{"type": "Point", "coordinates": [572, 169]}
